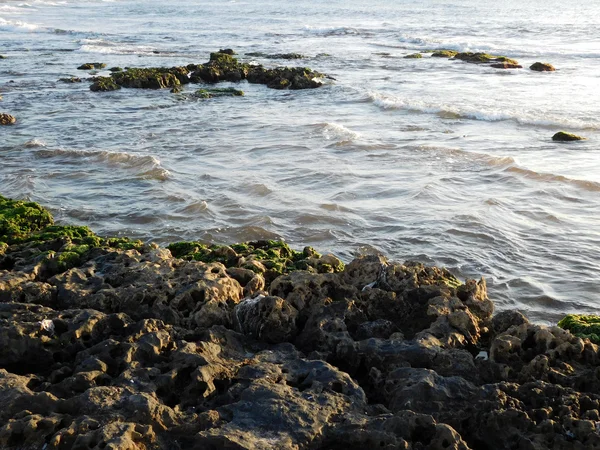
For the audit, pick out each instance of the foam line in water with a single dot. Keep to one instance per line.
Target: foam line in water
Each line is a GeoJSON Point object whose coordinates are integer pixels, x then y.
{"type": "Point", "coordinates": [386, 101]}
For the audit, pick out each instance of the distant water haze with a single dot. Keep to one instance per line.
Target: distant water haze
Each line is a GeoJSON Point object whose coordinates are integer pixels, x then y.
{"type": "Point", "coordinates": [441, 161]}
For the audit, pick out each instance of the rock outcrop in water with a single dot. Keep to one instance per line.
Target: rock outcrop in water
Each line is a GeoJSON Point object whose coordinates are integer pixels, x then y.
{"type": "Point", "coordinates": [223, 66]}
{"type": "Point", "coordinates": [131, 346]}
{"type": "Point", "coordinates": [7, 119]}
{"type": "Point", "coordinates": [542, 67]}
{"type": "Point", "coordinates": [563, 136]}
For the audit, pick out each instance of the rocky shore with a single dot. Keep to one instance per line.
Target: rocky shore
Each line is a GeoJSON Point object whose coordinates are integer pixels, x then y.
{"type": "Point", "coordinates": [116, 344]}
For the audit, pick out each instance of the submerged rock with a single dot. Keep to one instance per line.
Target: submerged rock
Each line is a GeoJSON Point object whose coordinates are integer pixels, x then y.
{"type": "Point", "coordinates": [542, 67]}
{"type": "Point", "coordinates": [7, 119]}
{"type": "Point", "coordinates": [414, 56]}
{"type": "Point", "coordinates": [226, 92]}
{"type": "Point", "coordinates": [276, 55]}
{"type": "Point", "coordinates": [563, 136]}
{"type": "Point", "coordinates": [92, 66]}
{"type": "Point", "coordinates": [70, 80]}
{"type": "Point", "coordinates": [484, 58]}
{"type": "Point", "coordinates": [506, 65]}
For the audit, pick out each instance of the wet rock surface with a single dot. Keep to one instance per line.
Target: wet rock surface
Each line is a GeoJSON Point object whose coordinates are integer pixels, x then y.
{"type": "Point", "coordinates": [222, 66]}
{"type": "Point", "coordinates": [132, 346]}
{"type": "Point", "coordinates": [7, 119]}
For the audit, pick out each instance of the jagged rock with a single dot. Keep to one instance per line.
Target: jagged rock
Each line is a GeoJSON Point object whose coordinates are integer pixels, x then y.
{"type": "Point", "coordinates": [269, 319]}
{"type": "Point", "coordinates": [70, 80]}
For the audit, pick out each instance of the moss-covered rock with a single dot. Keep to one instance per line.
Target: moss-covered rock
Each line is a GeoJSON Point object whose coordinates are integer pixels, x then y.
{"type": "Point", "coordinates": [484, 58]}
{"type": "Point", "coordinates": [70, 80]}
{"type": "Point", "coordinates": [267, 257]}
{"type": "Point", "coordinates": [583, 326]}
{"type": "Point", "coordinates": [104, 84]}
{"type": "Point", "coordinates": [19, 219]}
{"type": "Point", "coordinates": [225, 92]}
{"type": "Point", "coordinates": [92, 66]}
{"type": "Point", "coordinates": [542, 67]}
{"type": "Point", "coordinates": [7, 119]}
{"type": "Point", "coordinates": [414, 56]}
{"type": "Point", "coordinates": [151, 78]}
{"type": "Point", "coordinates": [443, 54]}
{"type": "Point", "coordinates": [563, 136]}
{"type": "Point", "coordinates": [28, 233]}
{"type": "Point", "coordinates": [116, 69]}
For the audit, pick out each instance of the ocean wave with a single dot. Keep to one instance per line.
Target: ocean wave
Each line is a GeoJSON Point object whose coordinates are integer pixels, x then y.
{"type": "Point", "coordinates": [509, 165]}
{"type": "Point", "coordinates": [337, 132]}
{"type": "Point", "coordinates": [113, 48]}
{"type": "Point", "coordinates": [9, 9]}
{"type": "Point", "coordinates": [17, 25]}
{"type": "Point", "coordinates": [386, 101]}
{"type": "Point", "coordinates": [33, 143]}
{"type": "Point", "coordinates": [146, 166]}
{"type": "Point", "coordinates": [587, 185]}
{"type": "Point", "coordinates": [333, 31]}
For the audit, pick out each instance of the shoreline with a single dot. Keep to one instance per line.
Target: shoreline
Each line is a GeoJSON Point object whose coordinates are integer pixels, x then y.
{"type": "Point", "coordinates": [112, 343]}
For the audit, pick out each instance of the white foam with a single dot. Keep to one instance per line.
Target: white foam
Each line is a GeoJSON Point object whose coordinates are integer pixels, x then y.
{"type": "Point", "coordinates": [524, 117]}
{"type": "Point", "coordinates": [331, 31]}
{"type": "Point", "coordinates": [16, 25]}
{"type": "Point", "coordinates": [113, 48]}
{"type": "Point", "coordinates": [338, 133]}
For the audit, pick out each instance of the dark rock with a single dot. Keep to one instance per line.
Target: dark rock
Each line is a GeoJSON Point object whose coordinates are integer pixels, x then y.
{"type": "Point", "coordinates": [92, 66]}
{"type": "Point", "coordinates": [70, 80]}
{"type": "Point", "coordinates": [542, 67]}
{"type": "Point", "coordinates": [562, 136]}
{"type": "Point", "coordinates": [104, 84]}
{"type": "Point", "coordinates": [506, 65]}
{"type": "Point", "coordinates": [7, 119]}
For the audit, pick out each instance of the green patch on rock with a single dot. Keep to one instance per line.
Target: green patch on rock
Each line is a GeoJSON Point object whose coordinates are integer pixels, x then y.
{"type": "Point", "coordinates": [413, 56]}
{"type": "Point", "coordinates": [151, 78]}
{"type": "Point", "coordinates": [104, 84]}
{"type": "Point", "coordinates": [268, 257]}
{"type": "Point", "coordinates": [583, 326]}
{"type": "Point", "coordinates": [18, 219]}
{"type": "Point", "coordinates": [92, 66]}
{"type": "Point", "coordinates": [225, 92]}
{"type": "Point", "coordinates": [70, 80]}
{"type": "Point", "coordinates": [443, 54]}
{"type": "Point", "coordinates": [28, 230]}
{"type": "Point", "coordinates": [483, 58]}
{"type": "Point", "coordinates": [563, 136]}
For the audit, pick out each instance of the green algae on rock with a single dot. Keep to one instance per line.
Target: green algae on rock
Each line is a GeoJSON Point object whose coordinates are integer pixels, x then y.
{"type": "Point", "coordinates": [28, 233]}
{"type": "Point", "coordinates": [583, 326]}
{"type": "Point", "coordinates": [542, 67]}
{"type": "Point", "coordinates": [267, 257]}
{"type": "Point", "coordinates": [563, 136]}
{"type": "Point", "coordinates": [7, 119]}
{"type": "Point", "coordinates": [70, 80]}
{"type": "Point", "coordinates": [483, 58]}
{"type": "Point", "coordinates": [225, 92]}
{"type": "Point", "coordinates": [443, 54]}
{"type": "Point", "coordinates": [413, 56]}
{"type": "Point", "coordinates": [151, 78]}
{"type": "Point", "coordinates": [104, 84]}
{"type": "Point", "coordinates": [91, 66]}
{"type": "Point", "coordinates": [19, 219]}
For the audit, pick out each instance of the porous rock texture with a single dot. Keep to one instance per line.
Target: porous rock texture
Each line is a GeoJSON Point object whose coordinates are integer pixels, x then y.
{"type": "Point", "coordinates": [136, 349]}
